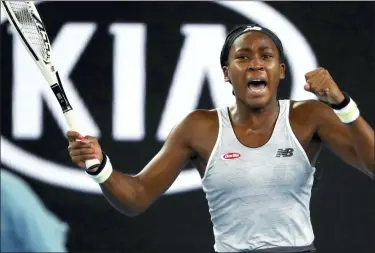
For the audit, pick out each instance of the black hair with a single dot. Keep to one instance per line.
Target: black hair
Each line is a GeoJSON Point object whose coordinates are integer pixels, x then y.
{"type": "Point", "coordinates": [241, 29]}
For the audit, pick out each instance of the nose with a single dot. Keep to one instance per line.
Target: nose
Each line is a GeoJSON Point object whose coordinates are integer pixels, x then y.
{"type": "Point", "coordinates": [256, 68]}
{"type": "Point", "coordinates": [256, 65]}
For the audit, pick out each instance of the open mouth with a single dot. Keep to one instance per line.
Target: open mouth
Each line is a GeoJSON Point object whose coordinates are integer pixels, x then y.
{"type": "Point", "coordinates": [256, 85]}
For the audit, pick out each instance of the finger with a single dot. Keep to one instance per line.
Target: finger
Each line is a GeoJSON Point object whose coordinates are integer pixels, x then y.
{"type": "Point", "coordinates": [312, 85]}
{"type": "Point", "coordinates": [82, 151]}
{"type": "Point", "coordinates": [322, 87]}
{"type": "Point", "coordinates": [96, 150]}
{"type": "Point", "coordinates": [83, 158]}
{"type": "Point", "coordinates": [72, 135]}
{"type": "Point", "coordinates": [317, 83]}
{"type": "Point", "coordinates": [307, 87]}
{"type": "Point", "coordinates": [310, 74]}
{"type": "Point", "coordinates": [78, 145]}
{"type": "Point", "coordinates": [83, 140]}
{"type": "Point", "coordinates": [326, 74]}
{"type": "Point", "coordinates": [91, 139]}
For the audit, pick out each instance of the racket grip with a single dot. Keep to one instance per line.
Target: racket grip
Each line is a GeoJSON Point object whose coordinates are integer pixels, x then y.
{"type": "Point", "coordinates": [92, 164]}
{"type": "Point", "coordinates": [72, 121]}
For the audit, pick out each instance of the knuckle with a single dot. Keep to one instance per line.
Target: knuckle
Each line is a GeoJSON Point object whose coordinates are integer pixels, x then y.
{"type": "Point", "coordinates": [86, 151]}
{"type": "Point", "coordinates": [73, 145]}
{"type": "Point", "coordinates": [93, 139]}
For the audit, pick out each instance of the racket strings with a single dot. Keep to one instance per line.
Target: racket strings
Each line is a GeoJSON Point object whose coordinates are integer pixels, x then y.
{"type": "Point", "coordinates": [28, 26]}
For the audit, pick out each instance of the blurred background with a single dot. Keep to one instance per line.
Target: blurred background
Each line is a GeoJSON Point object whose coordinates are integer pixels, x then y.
{"type": "Point", "coordinates": [132, 70]}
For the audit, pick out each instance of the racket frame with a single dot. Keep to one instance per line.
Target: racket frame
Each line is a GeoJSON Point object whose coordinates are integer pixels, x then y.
{"type": "Point", "coordinates": [47, 68]}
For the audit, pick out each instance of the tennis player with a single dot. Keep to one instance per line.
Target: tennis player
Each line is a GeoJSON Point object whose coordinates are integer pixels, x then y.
{"type": "Point", "coordinates": [256, 157]}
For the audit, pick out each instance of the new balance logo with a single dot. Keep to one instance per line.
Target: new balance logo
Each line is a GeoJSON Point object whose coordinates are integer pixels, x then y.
{"type": "Point", "coordinates": [287, 152]}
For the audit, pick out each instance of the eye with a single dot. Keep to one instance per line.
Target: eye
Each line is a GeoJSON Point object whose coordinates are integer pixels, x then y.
{"type": "Point", "coordinates": [267, 56]}
{"type": "Point", "coordinates": [242, 57]}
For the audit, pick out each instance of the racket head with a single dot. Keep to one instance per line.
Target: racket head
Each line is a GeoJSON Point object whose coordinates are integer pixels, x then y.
{"type": "Point", "coordinates": [25, 18]}
{"type": "Point", "coordinates": [26, 21]}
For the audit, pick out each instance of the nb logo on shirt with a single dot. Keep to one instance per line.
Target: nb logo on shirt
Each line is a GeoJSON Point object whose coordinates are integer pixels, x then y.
{"type": "Point", "coordinates": [287, 152]}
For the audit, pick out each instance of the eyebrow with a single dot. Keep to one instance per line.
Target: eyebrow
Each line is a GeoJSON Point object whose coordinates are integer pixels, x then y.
{"type": "Point", "coordinates": [262, 48]}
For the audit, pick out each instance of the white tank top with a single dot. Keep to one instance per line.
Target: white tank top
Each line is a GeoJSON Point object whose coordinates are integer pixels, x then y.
{"type": "Point", "coordinates": [259, 198]}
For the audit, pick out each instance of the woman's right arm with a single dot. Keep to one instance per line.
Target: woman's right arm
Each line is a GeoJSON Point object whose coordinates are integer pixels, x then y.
{"type": "Point", "coordinates": [132, 195]}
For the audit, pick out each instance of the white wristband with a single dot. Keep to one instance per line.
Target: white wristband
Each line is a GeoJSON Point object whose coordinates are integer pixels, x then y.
{"type": "Point", "coordinates": [349, 113]}
{"type": "Point", "coordinates": [105, 173]}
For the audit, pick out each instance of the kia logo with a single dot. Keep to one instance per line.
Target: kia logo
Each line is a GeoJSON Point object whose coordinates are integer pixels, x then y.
{"type": "Point", "coordinates": [124, 118]}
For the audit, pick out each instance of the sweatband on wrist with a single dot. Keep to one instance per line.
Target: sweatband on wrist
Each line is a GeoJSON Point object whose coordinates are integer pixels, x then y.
{"type": "Point", "coordinates": [344, 103]}
{"type": "Point", "coordinates": [347, 113]}
{"type": "Point", "coordinates": [103, 172]}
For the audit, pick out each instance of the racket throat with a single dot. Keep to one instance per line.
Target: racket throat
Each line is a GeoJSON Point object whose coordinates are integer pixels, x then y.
{"type": "Point", "coordinates": [61, 97]}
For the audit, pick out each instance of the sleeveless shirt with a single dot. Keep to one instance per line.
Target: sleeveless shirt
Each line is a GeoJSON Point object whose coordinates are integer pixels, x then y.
{"type": "Point", "coordinates": [259, 197]}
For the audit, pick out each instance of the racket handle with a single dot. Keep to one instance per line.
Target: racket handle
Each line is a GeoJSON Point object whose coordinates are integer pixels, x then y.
{"type": "Point", "coordinates": [71, 119]}
{"type": "Point", "coordinates": [92, 164]}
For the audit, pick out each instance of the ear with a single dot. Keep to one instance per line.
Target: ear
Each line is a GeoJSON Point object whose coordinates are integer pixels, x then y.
{"type": "Point", "coordinates": [226, 75]}
{"type": "Point", "coordinates": [282, 70]}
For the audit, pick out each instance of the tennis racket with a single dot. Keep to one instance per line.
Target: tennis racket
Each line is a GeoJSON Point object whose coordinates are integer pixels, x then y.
{"type": "Point", "coordinates": [25, 19]}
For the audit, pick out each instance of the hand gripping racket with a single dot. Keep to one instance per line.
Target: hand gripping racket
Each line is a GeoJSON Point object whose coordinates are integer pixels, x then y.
{"type": "Point", "coordinates": [28, 25]}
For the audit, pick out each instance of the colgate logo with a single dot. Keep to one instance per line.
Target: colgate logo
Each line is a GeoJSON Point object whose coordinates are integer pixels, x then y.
{"type": "Point", "coordinates": [230, 156]}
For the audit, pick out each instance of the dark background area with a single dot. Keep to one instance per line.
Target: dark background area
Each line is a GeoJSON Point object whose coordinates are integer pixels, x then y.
{"type": "Point", "coordinates": [342, 35]}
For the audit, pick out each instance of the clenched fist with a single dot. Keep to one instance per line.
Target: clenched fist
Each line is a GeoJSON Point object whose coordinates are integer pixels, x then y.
{"type": "Point", "coordinates": [320, 83]}
{"type": "Point", "coordinates": [82, 148]}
